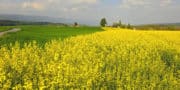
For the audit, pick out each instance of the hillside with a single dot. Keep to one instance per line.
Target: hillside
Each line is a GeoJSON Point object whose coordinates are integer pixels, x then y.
{"type": "Point", "coordinates": [163, 26]}
{"type": "Point", "coordinates": [28, 18]}
{"type": "Point", "coordinates": [14, 23]}
{"type": "Point", "coordinates": [31, 18]}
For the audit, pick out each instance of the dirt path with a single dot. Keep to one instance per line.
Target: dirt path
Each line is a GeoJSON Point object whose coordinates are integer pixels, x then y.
{"type": "Point", "coordinates": [11, 30]}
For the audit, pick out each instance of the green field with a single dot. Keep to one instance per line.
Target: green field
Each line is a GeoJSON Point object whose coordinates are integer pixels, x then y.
{"type": "Point", "coordinates": [42, 34]}
{"type": "Point", "coordinates": [5, 28]}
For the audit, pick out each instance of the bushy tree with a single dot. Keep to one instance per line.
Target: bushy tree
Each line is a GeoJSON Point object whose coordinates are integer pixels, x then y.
{"type": "Point", "coordinates": [115, 25]}
{"type": "Point", "coordinates": [129, 26]}
{"type": "Point", "coordinates": [123, 26]}
{"type": "Point", "coordinates": [75, 24]}
{"type": "Point", "coordinates": [119, 24]}
{"type": "Point", "coordinates": [103, 22]}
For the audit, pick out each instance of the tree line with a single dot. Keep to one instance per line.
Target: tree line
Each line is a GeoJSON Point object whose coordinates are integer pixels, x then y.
{"type": "Point", "coordinates": [15, 23]}
{"type": "Point", "coordinates": [172, 27]}
{"type": "Point", "coordinates": [119, 24]}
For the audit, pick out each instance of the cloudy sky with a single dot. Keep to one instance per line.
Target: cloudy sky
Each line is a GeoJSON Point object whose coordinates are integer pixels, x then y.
{"type": "Point", "coordinates": [91, 11]}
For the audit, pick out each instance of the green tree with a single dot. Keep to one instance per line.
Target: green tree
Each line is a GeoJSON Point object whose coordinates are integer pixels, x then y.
{"type": "Point", "coordinates": [129, 26]}
{"type": "Point", "coordinates": [75, 24]}
{"type": "Point", "coordinates": [119, 24]}
{"type": "Point", "coordinates": [123, 26]}
{"type": "Point", "coordinates": [103, 22]}
{"type": "Point", "coordinates": [115, 25]}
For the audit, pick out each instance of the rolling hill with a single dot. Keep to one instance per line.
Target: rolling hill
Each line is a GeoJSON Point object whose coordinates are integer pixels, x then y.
{"type": "Point", "coordinates": [28, 18]}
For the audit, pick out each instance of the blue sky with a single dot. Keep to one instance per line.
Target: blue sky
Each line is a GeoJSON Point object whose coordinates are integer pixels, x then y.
{"type": "Point", "coordinates": [91, 11]}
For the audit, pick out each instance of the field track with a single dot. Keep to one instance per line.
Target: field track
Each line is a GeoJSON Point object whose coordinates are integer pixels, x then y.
{"type": "Point", "coordinates": [11, 30]}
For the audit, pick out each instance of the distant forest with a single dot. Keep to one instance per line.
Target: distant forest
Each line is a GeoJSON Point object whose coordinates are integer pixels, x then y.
{"type": "Point", "coordinates": [15, 23]}
{"type": "Point", "coordinates": [170, 26]}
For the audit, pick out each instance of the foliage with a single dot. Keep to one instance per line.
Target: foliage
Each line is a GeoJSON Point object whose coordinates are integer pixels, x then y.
{"type": "Point", "coordinates": [129, 26]}
{"type": "Point", "coordinates": [75, 24]}
{"type": "Point", "coordinates": [110, 60]}
{"type": "Point", "coordinates": [103, 22]}
{"type": "Point", "coordinates": [120, 25]}
{"type": "Point", "coordinates": [115, 25]}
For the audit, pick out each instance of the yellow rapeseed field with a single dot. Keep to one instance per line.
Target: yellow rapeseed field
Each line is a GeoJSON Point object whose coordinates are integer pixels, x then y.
{"type": "Point", "coordinates": [115, 59]}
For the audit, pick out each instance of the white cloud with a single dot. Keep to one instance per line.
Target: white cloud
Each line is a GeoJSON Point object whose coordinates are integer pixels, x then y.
{"type": "Point", "coordinates": [33, 5]}
{"type": "Point", "coordinates": [76, 1]}
{"type": "Point", "coordinates": [129, 3]}
{"type": "Point", "coordinates": [165, 2]}
{"type": "Point", "coordinates": [70, 5]}
{"type": "Point", "coordinates": [50, 1]}
{"type": "Point", "coordinates": [144, 3]}
{"type": "Point", "coordinates": [68, 1]}
{"type": "Point", "coordinates": [84, 1]}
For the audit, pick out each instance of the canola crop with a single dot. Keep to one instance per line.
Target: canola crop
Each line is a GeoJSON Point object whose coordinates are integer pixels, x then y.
{"type": "Point", "coordinates": [116, 59]}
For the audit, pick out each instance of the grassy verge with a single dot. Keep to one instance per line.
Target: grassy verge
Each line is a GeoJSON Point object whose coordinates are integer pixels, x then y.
{"type": "Point", "coordinates": [42, 34]}
{"type": "Point", "coordinates": [5, 28]}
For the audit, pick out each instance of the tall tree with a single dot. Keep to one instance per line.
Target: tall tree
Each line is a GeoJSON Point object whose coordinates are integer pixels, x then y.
{"type": "Point", "coordinates": [129, 26]}
{"type": "Point", "coordinates": [120, 24]}
{"type": "Point", "coordinates": [103, 22]}
{"type": "Point", "coordinates": [75, 24]}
